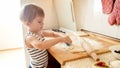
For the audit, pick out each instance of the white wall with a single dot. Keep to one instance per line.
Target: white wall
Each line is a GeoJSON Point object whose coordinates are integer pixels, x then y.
{"type": "Point", "coordinates": [88, 19]}
{"type": "Point", "coordinates": [10, 26]}
{"type": "Point", "coordinates": [64, 14]}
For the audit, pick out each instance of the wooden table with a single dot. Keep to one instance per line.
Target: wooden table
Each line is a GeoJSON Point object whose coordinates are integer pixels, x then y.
{"type": "Point", "coordinates": [88, 62]}
{"type": "Point", "coordinates": [63, 56]}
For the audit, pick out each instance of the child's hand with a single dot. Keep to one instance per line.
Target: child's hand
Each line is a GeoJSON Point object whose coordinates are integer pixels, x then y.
{"type": "Point", "coordinates": [66, 39]}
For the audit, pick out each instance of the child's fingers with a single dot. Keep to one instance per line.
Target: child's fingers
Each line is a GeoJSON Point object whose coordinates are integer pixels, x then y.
{"type": "Point", "coordinates": [68, 40]}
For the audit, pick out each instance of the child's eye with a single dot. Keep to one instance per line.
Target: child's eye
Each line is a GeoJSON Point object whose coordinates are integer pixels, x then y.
{"type": "Point", "coordinates": [39, 22]}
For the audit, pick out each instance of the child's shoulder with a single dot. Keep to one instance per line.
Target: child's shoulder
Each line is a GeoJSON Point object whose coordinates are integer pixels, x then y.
{"type": "Point", "coordinates": [28, 41]}
{"type": "Point", "coordinates": [29, 38]}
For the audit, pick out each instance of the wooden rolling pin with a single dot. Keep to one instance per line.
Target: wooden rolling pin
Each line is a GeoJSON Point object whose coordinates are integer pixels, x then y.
{"type": "Point", "coordinates": [88, 48]}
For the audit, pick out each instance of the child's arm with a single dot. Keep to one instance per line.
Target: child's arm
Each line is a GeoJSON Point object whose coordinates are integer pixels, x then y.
{"type": "Point", "coordinates": [47, 43]}
{"type": "Point", "coordinates": [53, 34]}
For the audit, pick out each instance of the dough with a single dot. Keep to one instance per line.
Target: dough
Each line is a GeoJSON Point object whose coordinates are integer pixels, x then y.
{"type": "Point", "coordinates": [75, 48]}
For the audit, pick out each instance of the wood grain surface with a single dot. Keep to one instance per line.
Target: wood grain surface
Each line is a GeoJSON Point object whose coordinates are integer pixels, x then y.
{"type": "Point", "coordinates": [62, 56]}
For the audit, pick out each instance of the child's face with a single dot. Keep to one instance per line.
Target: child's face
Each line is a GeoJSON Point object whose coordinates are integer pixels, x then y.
{"type": "Point", "coordinates": [37, 24]}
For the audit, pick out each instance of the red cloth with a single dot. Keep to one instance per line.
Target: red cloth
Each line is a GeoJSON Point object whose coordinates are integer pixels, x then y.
{"type": "Point", "coordinates": [114, 17]}
{"type": "Point", "coordinates": [107, 6]}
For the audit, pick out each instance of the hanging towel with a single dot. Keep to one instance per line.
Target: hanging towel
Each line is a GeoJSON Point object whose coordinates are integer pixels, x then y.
{"type": "Point", "coordinates": [117, 6]}
{"type": "Point", "coordinates": [114, 17]}
{"type": "Point", "coordinates": [107, 6]}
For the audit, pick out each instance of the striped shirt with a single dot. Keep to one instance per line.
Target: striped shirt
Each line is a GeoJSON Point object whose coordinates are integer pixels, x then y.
{"type": "Point", "coordinates": [38, 58]}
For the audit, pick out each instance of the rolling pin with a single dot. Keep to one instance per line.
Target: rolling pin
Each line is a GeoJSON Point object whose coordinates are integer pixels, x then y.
{"type": "Point", "coordinates": [88, 48]}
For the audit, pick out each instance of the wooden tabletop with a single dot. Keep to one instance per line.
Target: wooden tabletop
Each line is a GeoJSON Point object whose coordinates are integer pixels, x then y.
{"type": "Point", "coordinates": [63, 56]}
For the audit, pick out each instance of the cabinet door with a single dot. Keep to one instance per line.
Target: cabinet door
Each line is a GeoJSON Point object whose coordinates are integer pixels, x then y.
{"type": "Point", "coordinates": [65, 14]}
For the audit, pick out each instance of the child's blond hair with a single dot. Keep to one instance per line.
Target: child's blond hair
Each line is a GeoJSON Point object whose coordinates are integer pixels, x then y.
{"type": "Point", "coordinates": [30, 11]}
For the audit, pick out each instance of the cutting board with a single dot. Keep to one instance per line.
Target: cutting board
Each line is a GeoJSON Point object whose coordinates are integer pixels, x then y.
{"type": "Point", "coordinates": [63, 56]}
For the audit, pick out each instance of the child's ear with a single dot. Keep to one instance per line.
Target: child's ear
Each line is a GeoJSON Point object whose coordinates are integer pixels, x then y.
{"type": "Point", "coordinates": [28, 23]}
